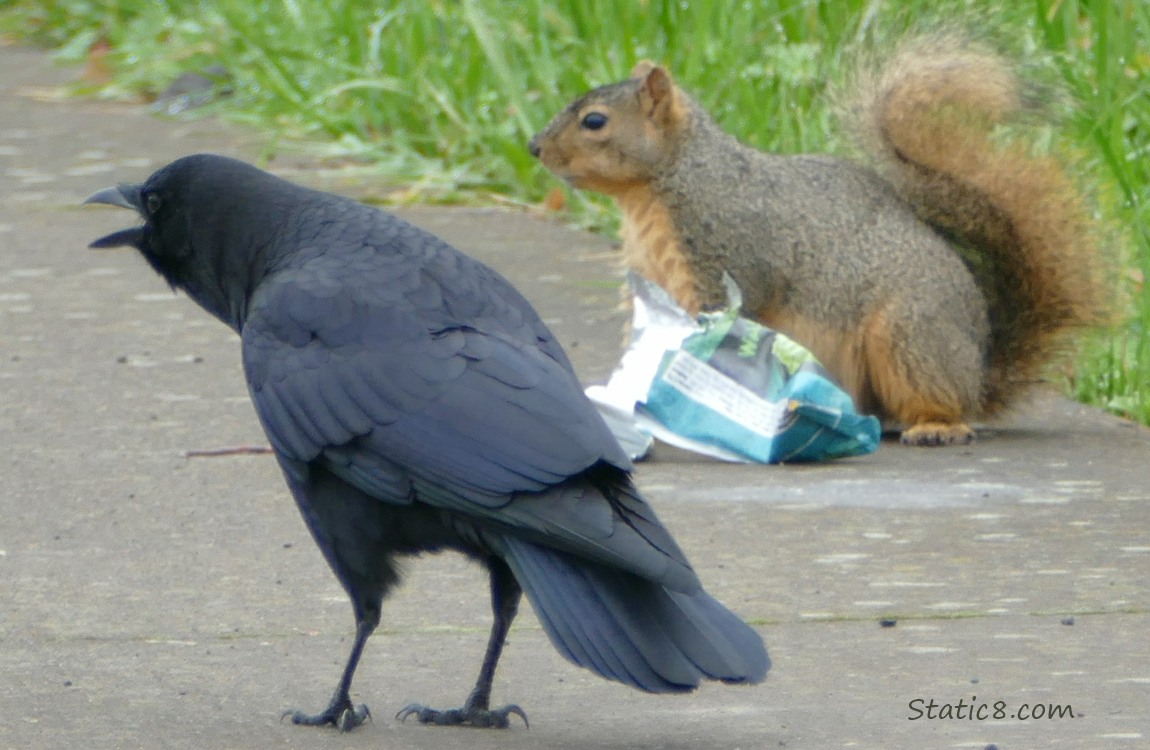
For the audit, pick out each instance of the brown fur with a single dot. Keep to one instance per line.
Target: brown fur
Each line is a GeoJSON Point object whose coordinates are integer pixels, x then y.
{"type": "Point", "coordinates": [849, 260]}
{"type": "Point", "coordinates": [651, 246]}
{"type": "Point", "coordinates": [927, 115]}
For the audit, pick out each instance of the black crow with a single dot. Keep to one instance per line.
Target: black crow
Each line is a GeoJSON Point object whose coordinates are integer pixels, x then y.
{"type": "Point", "coordinates": [416, 402]}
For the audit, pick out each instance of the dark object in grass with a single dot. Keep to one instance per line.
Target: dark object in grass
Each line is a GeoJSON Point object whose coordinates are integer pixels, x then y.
{"type": "Point", "coordinates": [194, 89]}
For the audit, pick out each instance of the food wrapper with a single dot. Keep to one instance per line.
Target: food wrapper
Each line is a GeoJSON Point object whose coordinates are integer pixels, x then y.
{"type": "Point", "coordinates": [727, 387]}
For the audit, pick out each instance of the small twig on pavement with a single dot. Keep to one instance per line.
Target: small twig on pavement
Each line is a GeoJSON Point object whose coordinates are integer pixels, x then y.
{"type": "Point", "coordinates": [235, 450]}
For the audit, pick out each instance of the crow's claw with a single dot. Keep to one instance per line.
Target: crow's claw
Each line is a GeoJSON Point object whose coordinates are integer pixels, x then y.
{"type": "Point", "coordinates": [342, 715]}
{"type": "Point", "coordinates": [483, 718]}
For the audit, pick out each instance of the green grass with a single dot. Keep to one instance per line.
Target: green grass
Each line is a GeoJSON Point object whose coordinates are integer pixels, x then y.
{"type": "Point", "coordinates": [442, 95]}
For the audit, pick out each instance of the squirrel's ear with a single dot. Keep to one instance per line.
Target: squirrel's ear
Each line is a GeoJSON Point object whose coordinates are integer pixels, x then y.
{"type": "Point", "coordinates": [656, 85]}
{"type": "Point", "coordinates": [642, 68]}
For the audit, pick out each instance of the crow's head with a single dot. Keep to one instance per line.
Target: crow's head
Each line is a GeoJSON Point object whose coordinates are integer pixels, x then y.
{"type": "Point", "coordinates": [165, 238]}
{"type": "Point", "coordinates": [207, 224]}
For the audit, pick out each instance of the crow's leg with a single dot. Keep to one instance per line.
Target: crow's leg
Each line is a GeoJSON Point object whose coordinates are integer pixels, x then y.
{"type": "Point", "coordinates": [477, 711]}
{"type": "Point", "coordinates": [341, 712]}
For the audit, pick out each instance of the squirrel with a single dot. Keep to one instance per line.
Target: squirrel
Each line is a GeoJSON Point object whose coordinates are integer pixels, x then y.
{"type": "Point", "coordinates": [933, 285]}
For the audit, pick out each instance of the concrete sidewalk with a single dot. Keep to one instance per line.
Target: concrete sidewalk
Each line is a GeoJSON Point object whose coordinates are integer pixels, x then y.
{"type": "Point", "coordinates": [152, 600]}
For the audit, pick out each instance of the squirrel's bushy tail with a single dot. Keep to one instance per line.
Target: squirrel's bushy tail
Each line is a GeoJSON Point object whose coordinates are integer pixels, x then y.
{"type": "Point", "coordinates": [937, 116]}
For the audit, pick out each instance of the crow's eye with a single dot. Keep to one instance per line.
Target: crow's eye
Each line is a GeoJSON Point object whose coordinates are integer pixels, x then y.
{"type": "Point", "coordinates": [152, 203]}
{"type": "Point", "coordinates": [594, 120]}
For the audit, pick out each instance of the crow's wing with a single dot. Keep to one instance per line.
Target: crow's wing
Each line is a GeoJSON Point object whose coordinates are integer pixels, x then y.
{"type": "Point", "coordinates": [431, 379]}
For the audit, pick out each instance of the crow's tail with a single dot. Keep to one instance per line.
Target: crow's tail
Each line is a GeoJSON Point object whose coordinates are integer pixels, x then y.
{"type": "Point", "coordinates": [629, 629]}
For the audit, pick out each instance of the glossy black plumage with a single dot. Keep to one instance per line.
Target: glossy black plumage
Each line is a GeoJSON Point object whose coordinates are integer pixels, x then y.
{"type": "Point", "coordinates": [416, 402]}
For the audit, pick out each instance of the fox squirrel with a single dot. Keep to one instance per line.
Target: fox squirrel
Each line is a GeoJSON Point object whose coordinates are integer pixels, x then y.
{"type": "Point", "coordinates": [862, 265]}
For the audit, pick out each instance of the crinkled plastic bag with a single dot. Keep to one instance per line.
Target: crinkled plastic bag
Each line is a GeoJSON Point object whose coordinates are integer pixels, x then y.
{"type": "Point", "coordinates": [727, 387]}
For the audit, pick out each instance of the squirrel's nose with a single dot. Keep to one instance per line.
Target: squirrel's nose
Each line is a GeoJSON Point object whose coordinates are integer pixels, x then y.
{"type": "Point", "coordinates": [534, 148]}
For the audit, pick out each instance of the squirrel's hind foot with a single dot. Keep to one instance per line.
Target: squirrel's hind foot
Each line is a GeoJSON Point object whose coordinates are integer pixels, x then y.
{"type": "Point", "coordinates": [937, 433]}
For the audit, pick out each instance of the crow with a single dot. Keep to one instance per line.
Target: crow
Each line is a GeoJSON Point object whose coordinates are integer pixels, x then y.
{"type": "Point", "coordinates": [415, 403]}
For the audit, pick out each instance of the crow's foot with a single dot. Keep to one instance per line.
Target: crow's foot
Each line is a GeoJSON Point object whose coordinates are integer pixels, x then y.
{"type": "Point", "coordinates": [468, 716]}
{"type": "Point", "coordinates": [340, 713]}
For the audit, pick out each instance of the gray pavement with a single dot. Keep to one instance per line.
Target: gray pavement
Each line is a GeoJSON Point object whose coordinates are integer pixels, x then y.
{"type": "Point", "coordinates": [153, 600]}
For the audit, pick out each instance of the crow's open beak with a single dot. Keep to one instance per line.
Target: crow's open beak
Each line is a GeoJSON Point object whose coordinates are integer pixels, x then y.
{"type": "Point", "coordinates": [124, 196]}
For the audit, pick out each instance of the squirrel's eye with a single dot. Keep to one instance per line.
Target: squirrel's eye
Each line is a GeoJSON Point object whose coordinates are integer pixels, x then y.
{"type": "Point", "coordinates": [594, 120]}
{"type": "Point", "coordinates": [152, 203]}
